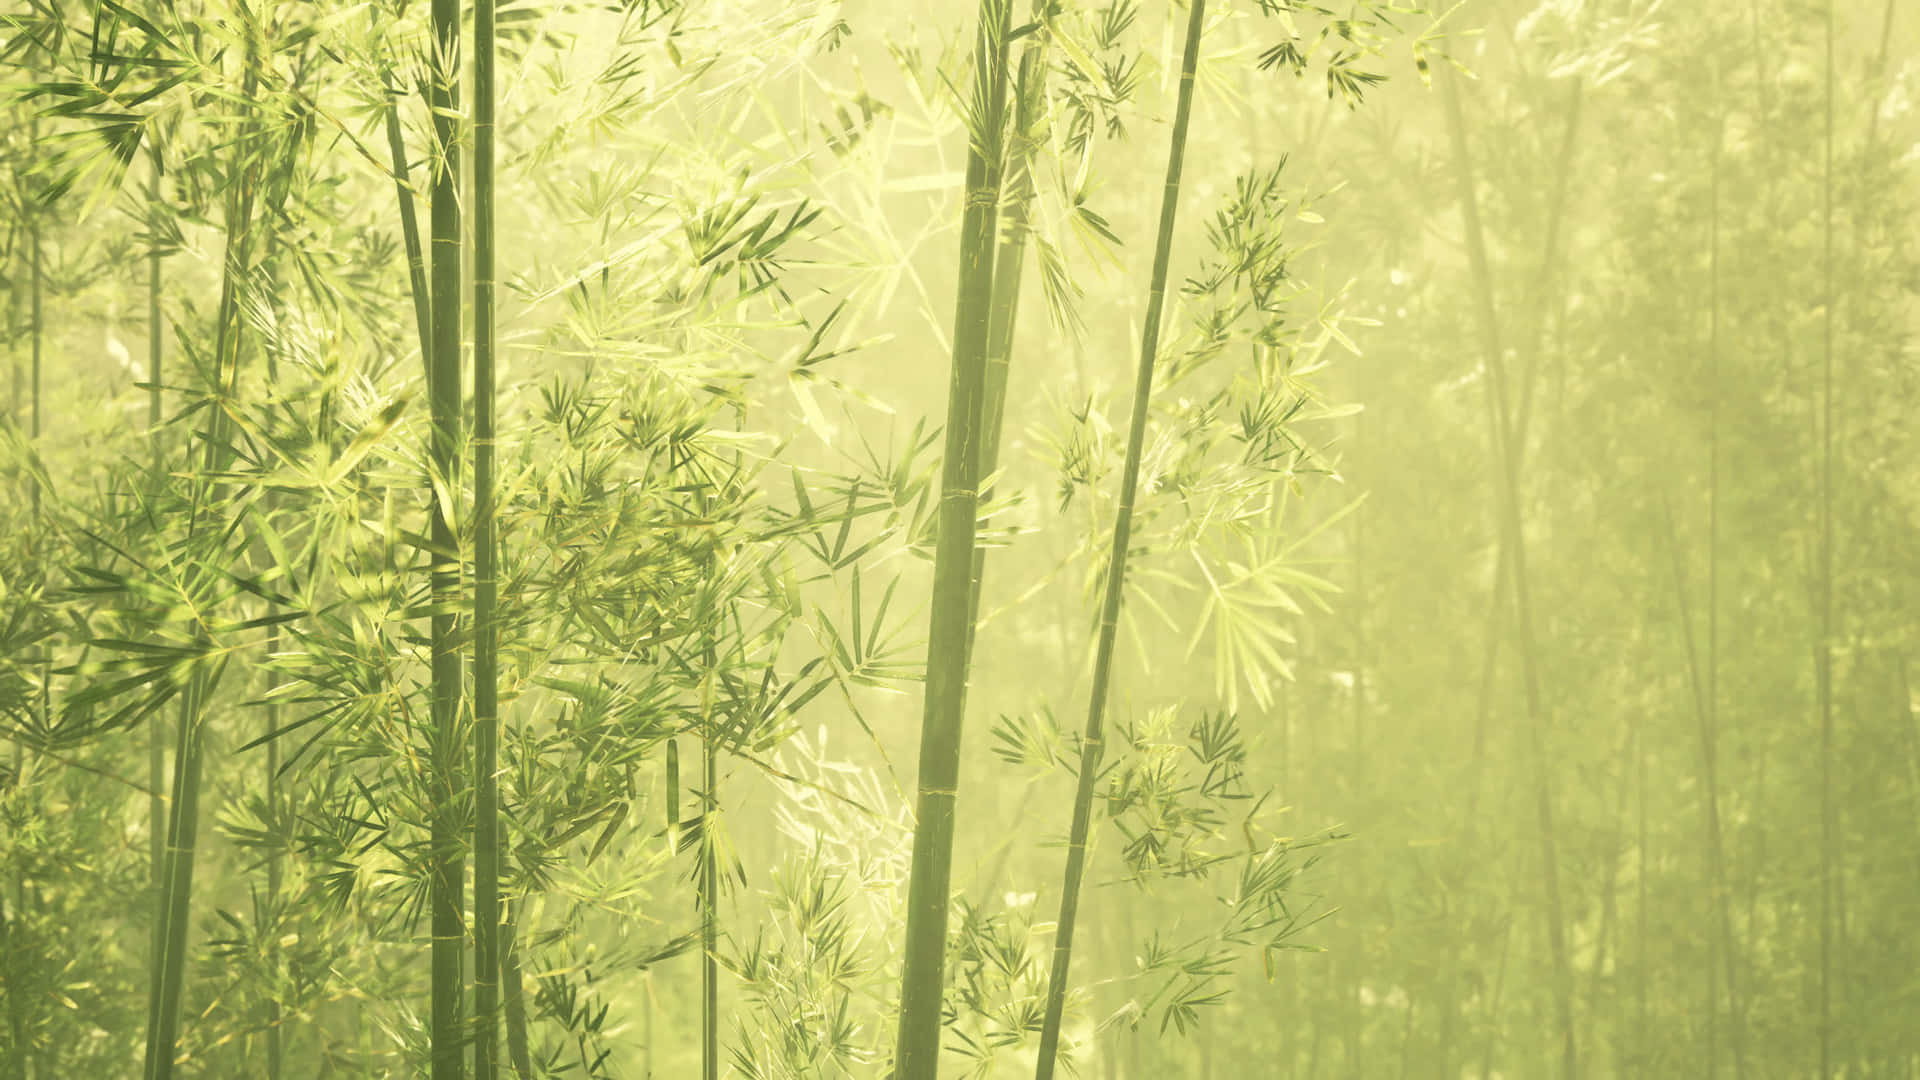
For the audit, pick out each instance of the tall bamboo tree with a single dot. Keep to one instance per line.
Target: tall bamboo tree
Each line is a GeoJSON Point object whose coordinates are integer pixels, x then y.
{"type": "Point", "coordinates": [917, 1051]}
{"type": "Point", "coordinates": [1823, 651]}
{"type": "Point", "coordinates": [486, 632]}
{"type": "Point", "coordinates": [1092, 739]}
{"type": "Point", "coordinates": [156, 735]}
{"type": "Point", "coordinates": [1009, 261]}
{"type": "Point", "coordinates": [447, 863]}
{"type": "Point", "coordinates": [183, 823]}
{"type": "Point", "coordinates": [1507, 457]}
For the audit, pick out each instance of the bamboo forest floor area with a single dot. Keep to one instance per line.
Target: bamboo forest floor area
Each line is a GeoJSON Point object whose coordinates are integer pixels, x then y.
{"type": "Point", "coordinates": [920, 540]}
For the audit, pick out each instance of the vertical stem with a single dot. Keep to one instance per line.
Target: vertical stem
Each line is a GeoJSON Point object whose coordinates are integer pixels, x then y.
{"type": "Point", "coordinates": [410, 232]}
{"type": "Point", "coordinates": [446, 865]}
{"type": "Point", "coordinates": [513, 995]}
{"type": "Point", "coordinates": [156, 731]}
{"type": "Point", "coordinates": [1722, 897]}
{"type": "Point", "coordinates": [183, 823]}
{"type": "Point", "coordinates": [1493, 1003]}
{"type": "Point", "coordinates": [1640, 1038]}
{"type": "Point", "coordinates": [1507, 452]}
{"type": "Point", "coordinates": [1823, 673]}
{"type": "Point", "coordinates": [949, 631]}
{"type": "Point", "coordinates": [709, 926]}
{"type": "Point", "coordinates": [486, 632]}
{"type": "Point", "coordinates": [1699, 675]}
{"type": "Point", "coordinates": [1008, 262]}
{"type": "Point", "coordinates": [1092, 740]}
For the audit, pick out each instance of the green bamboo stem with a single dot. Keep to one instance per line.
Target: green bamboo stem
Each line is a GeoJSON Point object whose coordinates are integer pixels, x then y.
{"type": "Point", "coordinates": [36, 329]}
{"type": "Point", "coordinates": [918, 1049]}
{"type": "Point", "coordinates": [1710, 753]}
{"type": "Point", "coordinates": [1700, 677]}
{"type": "Point", "coordinates": [486, 632]}
{"type": "Point", "coordinates": [1522, 421]}
{"type": "Point", "coordinates": [709, 924]}
{"type": "Point", "coordinates": [513, 994]}
{"type": "Point", "coordinates": [1604, 944]}
{"type": "Point", "coordinates": [156, 732]}
{"type": "Point", "coordinates": [447, 863]}
{"type": "Point", "coordinates": [1092, 740]}
{"type": "Point", "coordinates": [410, 231]}
{"type": "Point", "coordinates": [1009, 262]}
{"type": "Point", "coordinates": [1507, 455]}
{"type": "Point", "coordinates": [1823, 657]}
{"type": "Point", "coordinates": [275, 1039]}
{"type": "Point", "coordinates": [183, 823]}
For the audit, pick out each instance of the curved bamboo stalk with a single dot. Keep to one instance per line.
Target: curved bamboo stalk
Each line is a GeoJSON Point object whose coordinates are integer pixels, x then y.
{"type": "Point", "coordinates": [1092, 740]}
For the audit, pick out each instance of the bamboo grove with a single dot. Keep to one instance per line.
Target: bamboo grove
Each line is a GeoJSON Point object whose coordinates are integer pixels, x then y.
{"type": "Point", "coordinates": [489, 487]}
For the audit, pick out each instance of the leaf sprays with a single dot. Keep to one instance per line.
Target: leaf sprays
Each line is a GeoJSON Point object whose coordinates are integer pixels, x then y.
{"type": "Point", "coordinates": [918, 1049]}
{"type": "Point", "coordinates": [1090, 744]}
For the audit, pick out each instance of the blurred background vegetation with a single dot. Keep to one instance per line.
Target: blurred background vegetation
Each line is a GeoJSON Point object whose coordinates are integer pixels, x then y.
{"type": "Point", "coordinates": [1514, 672]}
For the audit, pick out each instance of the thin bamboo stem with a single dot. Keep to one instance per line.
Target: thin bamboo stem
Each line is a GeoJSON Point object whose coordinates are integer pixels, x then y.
{"type": "Point", "coordinates": [1504, 437]}
{"type": "Point", "coordinates": [410, 232]}
{"type": "Point", "coordinates": [156, 731]}
{"type": "Point", "coordinates": [709, 899]}
{"type": "Point", "coordinates": [183, 824]}
{"type": "Point", "coordinates": [1823, 657]}
{"type": "Point", "coordinates": [512, 992]}
{"type": "Point", "coordinates": [446, 865]}
{"type": "Point", "coordinates": [486, 631]}
{"type": "Point", "coordinates": [1009, 261]}
{"type": "Point", "coordinates": [1092, 741]}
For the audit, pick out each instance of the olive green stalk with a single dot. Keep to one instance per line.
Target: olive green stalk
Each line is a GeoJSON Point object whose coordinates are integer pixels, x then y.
{"type": "Point", "coordinates": [447, 862]}
{"type": "Point", "coordinates": [1823, 653]}
{"type": "Point", "coordinates": [1092, 741]}
{"type": "Point", "coordinates": [183, 823]}
{"type": "Point", "coordinates": [709, 899]}
{"type": "Point", "coordinates": [486, 631]}
{"type": "Point", "coordinates": [1009, 261]}
{"type": "Point", "coordinates": [156, 740]}
{"type": "Point", "coordinates": [1507, 454]}
{"type": "Point", "coordinates": [410, 231]}
{"type": "Point", "coordinates": [16, 1003]}
{"type": "Point", "coordinates": [515, 997]}
{"type": "Point", "coordinates": [1710, 715]}
{"type": "Point", "coordinates": [918, 1049]}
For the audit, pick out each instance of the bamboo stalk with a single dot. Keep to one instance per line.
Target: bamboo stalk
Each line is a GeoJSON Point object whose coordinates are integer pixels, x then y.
{"type": "Point", "coordinates": [949, 631]}
{"type": "Point", "coordinates": [1640, 1028]}
{"type": "Point", "coordinates": [1504, 438]}
{"type": "Point", "coordinates": [1736, 1017]}
{"type": "Point", "coordinates": [512, 992]}
{"type": "Point", "coordinates": [446, 864]}
{"type": "Point", "coordinates": [36, 324]}
{"type": "Point", "coordinates": [156, 732]}
{"type": "Point", "coordinates": [1823, 660]}
{"type": "Point", "coordinates": [709, 899]}
{"type": "Point", "coordinates": [1092, 740]}
{"type": "Point", "coordinates": [486, 631]}
{"type": "Point", "coordinates": [183, 824]}
{"type": "Point", "coordinates": [410, 232]}
{"type": "Point", "coordinates": [1009, 263]}
{"type": "Point", "coordinates": [1700, 676]}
